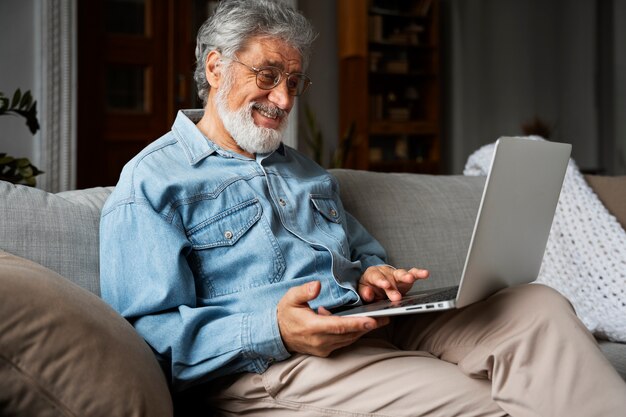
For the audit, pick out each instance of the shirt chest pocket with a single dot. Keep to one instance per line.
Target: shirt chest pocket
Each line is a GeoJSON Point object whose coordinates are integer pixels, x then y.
{"type": "Point", "coordinates": [329, 221]}
{"type": "Point", "coordinates": [235, 250]}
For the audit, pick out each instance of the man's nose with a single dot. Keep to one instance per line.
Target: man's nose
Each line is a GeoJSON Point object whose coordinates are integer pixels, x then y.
{"type": "Point", "coordinates": [280, 97]}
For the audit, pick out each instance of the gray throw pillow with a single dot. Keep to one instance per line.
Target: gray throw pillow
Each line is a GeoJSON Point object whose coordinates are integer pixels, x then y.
{"type": "Point", "coordinates": [58, 231]}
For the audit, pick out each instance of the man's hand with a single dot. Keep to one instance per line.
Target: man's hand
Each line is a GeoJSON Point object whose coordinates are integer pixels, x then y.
{"type": "Point", "coordinates": [382, 282]}
{"type": "Point", "coordinates": [305, 331]}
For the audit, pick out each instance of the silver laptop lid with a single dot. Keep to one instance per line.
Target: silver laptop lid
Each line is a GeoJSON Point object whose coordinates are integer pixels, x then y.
{"type": "Point", "coordinates": [519, 199]}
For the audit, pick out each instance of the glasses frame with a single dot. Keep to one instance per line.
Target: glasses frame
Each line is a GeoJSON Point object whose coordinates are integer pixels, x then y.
{"type": "Point", "coordinates": [257, 71]}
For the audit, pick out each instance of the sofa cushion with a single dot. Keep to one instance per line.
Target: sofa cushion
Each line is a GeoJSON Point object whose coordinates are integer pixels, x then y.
{"type": "Point", "coordinates": [58, 231]}
{"type": "Point", "coordinates": [64, 352]}
{"type": "Point", "coordinates": [421, 220]}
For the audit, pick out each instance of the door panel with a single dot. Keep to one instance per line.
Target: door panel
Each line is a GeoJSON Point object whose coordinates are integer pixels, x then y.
{"type": "Point", "coordinates": [135, 70]}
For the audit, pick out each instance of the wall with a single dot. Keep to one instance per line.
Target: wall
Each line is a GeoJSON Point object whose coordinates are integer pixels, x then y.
{"type": "Point", "coordinates": [17, 70]}
{"type": "Point", "coordinates": [507, 61]}
{"type": "Point", "coordinates": [513, 60]}
{"type": "Point", "coordinates": [619, 162]}
{"type": "Point", "coordinates": [323, 96]}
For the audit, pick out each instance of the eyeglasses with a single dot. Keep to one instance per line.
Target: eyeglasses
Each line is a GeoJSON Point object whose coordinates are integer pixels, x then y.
{"type": "Point", "coordinates": [269, 77]}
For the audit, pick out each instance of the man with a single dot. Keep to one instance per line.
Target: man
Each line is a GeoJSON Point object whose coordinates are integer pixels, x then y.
{"type": "Point", "coordinates": [225, 249]}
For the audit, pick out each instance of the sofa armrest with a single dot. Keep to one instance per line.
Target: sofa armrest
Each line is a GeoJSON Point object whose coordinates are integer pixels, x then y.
{"type": "Point", "coordinates": [611, 190]}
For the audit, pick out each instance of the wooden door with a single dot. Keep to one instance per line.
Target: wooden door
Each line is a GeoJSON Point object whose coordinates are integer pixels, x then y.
{"type": "Point", "coordinates": [135, 70]}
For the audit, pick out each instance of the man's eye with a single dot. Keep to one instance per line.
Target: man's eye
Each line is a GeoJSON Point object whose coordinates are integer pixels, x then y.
{"type": "Point", "coordinates": [292, 83]}
{"type": "Point", "coordinates": [267, 76]}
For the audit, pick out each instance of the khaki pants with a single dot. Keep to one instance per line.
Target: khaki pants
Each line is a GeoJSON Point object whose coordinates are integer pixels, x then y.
{"type": "Point", "coordinates": [523, 352]}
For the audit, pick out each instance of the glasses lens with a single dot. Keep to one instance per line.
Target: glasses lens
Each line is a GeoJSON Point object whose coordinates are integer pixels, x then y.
{"type": "Point", "coordinates": [297, 84]}
{"type": "Point", "coordinates": [267, 78]}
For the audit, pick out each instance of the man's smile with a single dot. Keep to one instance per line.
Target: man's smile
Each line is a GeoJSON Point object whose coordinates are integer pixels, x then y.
{"type": "Point", "coordinates": [267, 114]}
{"type": "Point", "coordinates": [271, 116]}
{"type": "Point", "coordinates": [271, 112]}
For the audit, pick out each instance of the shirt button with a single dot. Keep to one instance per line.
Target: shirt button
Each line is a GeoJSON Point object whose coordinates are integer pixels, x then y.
{"type": "Point", "coordinates": [282, 202]}
{"type": "Point", "coordinates": [333, 213]}
{"type": "Point", "coordinates": [228, 235]}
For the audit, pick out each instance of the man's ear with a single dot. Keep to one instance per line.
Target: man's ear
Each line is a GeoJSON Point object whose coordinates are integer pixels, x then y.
{"type": "Point", "coordinates": [213, 68]}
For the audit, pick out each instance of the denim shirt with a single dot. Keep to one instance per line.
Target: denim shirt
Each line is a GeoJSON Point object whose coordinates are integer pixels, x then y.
{"type": "Point", "coordinates": [198, 245]}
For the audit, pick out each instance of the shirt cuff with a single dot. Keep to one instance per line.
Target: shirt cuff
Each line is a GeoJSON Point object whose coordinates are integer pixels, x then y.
{"type": "Point", "coordinates": [264, 341]}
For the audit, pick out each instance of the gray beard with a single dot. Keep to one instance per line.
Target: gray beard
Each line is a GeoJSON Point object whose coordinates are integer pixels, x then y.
{"type": "Point", "coordinates": [240, 124]}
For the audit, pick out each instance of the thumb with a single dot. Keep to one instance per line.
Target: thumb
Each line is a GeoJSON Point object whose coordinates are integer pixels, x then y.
{"type": "Point", "coordinates": [302, 294]}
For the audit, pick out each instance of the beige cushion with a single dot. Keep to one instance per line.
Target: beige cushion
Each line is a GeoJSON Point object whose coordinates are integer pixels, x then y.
{"type": "Point", "coordinates": [612, 192]}
{"type": "Point", "coordinates": [64, 352]}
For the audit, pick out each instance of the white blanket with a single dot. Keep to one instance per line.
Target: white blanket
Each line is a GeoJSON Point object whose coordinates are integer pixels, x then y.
{"type": "Point", "coordinates": [585, 258]}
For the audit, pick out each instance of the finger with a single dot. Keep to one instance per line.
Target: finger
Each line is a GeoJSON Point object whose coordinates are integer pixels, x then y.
{"type": "Point", "coordinates": [419, 273]}
{"type": "Point", "coordinates": [370, 292]}
{"type": "Point", "coordinates": [323, 312]}
{"type": "Point", "coordinates": [336, 325]}
{"type": "Point", "coordinates": [403, 276]}
{"type": "Point", "coordinates": [387, 282]}
{"type": "Point", "coordinates": [301, 295]}
{"type": "Point", "coordinates": [343, 340]}
{"type": "Point", "coordinates": [366, 292]}
{"type": "Point", "coordinates": [382, 321]}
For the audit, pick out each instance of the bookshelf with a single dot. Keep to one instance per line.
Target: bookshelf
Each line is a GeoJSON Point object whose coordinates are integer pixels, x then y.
{"type": "Point", "coordinates": [389, 79]}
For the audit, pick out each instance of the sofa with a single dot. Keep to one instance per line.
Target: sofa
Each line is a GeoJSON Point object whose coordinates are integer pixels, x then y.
{"type": "Point", "coordinates": [64, 352]}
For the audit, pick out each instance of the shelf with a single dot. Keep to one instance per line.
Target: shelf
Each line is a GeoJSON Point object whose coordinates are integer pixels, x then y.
{"type": "Point", "coordinates": [379, 11]}
{"type": "Point", "coordinates": [400, 44]}
{"type": "Point", "coordinates": [390, 84]}
{"type": "Point", "coordinates": [416, 74]}
{"type": "Point", "coordinates": [390, 127]}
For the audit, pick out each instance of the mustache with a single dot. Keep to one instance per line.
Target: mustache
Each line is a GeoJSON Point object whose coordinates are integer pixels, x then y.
{"type": "Point", "coordinates": [269, 109]}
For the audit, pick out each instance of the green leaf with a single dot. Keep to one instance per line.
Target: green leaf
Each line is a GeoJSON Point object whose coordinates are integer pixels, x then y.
{"type": "Point", "coordinates": [31, 119]}
{"type": "Point", "coordinates": [6, 160]}
{"type": "Point", "coordinates": [26, 101]}
{"type": "Point", "coordinates": [16, 98]}
{"type": "Point", "coordinates": [26, 172]}
{"type": "Point", "coordinates": [21, 105]}
{"type": "Point", "coordinates": [36, 171]}
{"type": "Point", "coordinates": [18, 170]}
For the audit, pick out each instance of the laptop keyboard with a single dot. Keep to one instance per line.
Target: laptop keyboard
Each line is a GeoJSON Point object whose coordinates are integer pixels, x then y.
{"type": "Point", "coordinates": [443, 295]}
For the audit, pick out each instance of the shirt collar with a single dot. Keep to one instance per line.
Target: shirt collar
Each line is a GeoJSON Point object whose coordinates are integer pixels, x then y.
{"type": "Point", "coordinates": [194, 143]}
{"type": "Point", "coordinates": [197, 146]}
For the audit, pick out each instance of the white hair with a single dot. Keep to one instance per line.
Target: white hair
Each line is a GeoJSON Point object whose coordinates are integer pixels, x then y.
{"type": "Point", "coordinates": [235, 22]}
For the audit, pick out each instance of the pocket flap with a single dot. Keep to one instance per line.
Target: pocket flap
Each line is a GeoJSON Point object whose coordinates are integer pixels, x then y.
{"type": "Point", "coordinates": [327, 207]}
{"type": "Point", "coordinates": [226, 228]}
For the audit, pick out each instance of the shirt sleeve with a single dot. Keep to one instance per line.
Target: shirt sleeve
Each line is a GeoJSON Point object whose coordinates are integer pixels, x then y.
{"type": "Point", "coordinates": [145, 276]}
{"type": "Point", "coordinates": [363, 246]}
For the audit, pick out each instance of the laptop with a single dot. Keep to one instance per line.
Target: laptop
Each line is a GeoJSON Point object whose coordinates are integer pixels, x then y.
{"type": "Point", "coordinates": [510, 234]}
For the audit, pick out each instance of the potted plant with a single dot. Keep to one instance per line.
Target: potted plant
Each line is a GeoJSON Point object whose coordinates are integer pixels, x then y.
{"type": "Point", "coordinates": [19, 170]}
